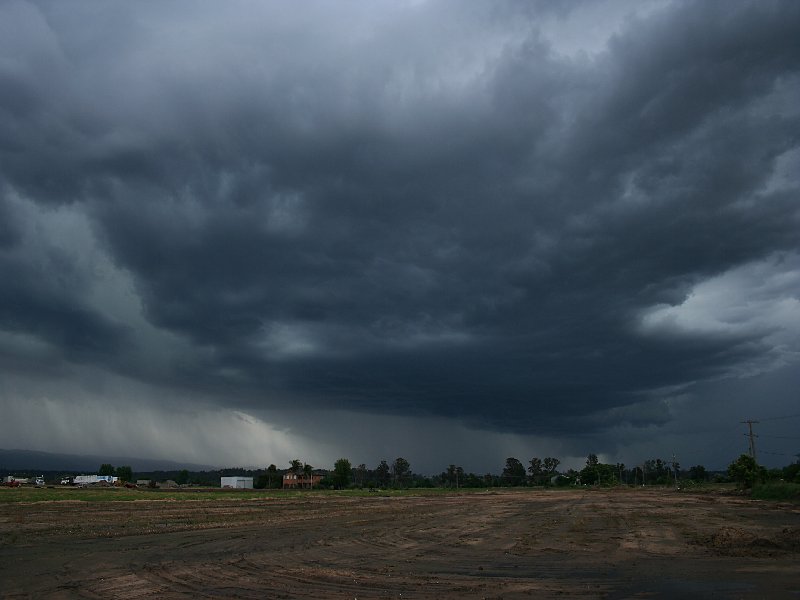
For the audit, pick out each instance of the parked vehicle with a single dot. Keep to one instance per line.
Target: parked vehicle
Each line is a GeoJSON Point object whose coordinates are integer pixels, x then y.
{"type": "Point", "coordinates": [93, 479]}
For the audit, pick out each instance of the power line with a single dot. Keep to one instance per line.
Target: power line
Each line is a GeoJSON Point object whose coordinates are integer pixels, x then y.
{"type": "Point", "coordinates": [752, 437]}
{"type": "Point", "coordinates": [795, 416]}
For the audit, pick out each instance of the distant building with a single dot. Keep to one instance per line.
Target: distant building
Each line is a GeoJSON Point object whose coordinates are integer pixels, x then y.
{"type": "Point", "coordinates": [302, 481]}
{"type": "Point", "coordinates": [242, 483]}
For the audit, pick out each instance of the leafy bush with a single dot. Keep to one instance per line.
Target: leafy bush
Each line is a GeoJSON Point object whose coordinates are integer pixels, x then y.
{"type": "Point", "coordinates": [746, 472]}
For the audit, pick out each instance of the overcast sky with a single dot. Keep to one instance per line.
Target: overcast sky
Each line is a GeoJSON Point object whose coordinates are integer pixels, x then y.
{"type": "Point", "coordinates": [238, 233]}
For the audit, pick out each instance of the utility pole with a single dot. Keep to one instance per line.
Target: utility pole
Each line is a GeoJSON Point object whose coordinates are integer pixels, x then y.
{"type": "Point", "coordinates": [752, 436]}
{"type": "Point", "coordinates": [674, 469]}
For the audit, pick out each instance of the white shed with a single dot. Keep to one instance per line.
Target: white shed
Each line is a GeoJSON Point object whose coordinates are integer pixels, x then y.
{"type": "Point", "coordinates": [245, 483]}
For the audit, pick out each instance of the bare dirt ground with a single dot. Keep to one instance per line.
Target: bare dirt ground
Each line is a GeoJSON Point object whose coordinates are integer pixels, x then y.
{"type": "Point", "coordinates": [501, 544]}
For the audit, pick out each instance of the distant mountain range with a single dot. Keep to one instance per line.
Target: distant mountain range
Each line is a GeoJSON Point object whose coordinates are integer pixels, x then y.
{"type": "Point", "coordinates": [33, 460]}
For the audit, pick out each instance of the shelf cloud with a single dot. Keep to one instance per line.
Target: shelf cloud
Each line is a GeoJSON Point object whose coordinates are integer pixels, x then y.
{"type": "Point", "coordinates": [528, 221]}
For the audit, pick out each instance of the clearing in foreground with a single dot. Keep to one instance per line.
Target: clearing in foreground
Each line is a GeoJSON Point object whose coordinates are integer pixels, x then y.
{"type": "Point", "coordinates": [502, 544]}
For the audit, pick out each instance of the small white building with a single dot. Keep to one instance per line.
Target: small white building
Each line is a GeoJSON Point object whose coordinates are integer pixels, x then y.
{"type": "Point", "coordinates": [238, 482]}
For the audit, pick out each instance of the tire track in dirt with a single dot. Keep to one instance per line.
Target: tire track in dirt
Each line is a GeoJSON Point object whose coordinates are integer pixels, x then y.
{"type": "Point", "coordinates": [510, 544]}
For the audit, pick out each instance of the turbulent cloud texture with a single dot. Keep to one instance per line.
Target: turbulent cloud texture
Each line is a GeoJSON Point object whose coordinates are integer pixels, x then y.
{"type": "Point", "coordinates": [531, 218]}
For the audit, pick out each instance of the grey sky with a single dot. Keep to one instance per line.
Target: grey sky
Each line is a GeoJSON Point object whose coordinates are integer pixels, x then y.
{"type": "Point", "coordinates": [242, 232]}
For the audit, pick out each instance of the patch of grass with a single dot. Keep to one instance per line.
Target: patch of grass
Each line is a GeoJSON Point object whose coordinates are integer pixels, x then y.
{"type": "Point", "coordinates": [54, 494]}
{"type": "Point", "coordinates": [777, 490]}
{"type": "Point", "coordinates": [103, 494]}
{"type": "Point", "coordinates": [111, 494]}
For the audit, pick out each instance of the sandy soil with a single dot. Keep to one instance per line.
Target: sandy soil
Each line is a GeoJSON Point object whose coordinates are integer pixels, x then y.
{"type": "Point", "coordinates": [507, 544]}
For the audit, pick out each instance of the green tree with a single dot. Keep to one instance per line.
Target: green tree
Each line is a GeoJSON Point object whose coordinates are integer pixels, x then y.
{"type": "Point", "coordinates": [182, 478]}
{"type": "Point", "coordinates": [342, 472]}
{"type": "Point", "coordinates": [308, 471]}
{"type": "Point", "coordinates": [125, 474]}
{"type": "Point", "coordinates": [454, 476]}
{"type": "Point", "coordinates": [746, 471]}
{"type": "Point", "coordinates": [698, 473]}
{"type": "Point", "coordinates": [792, 472]}
{"type": "Point", "coordinates": [401, 470]}
{"type": "Point", "coordinates": [550, 465]}
{"type": "Point", "coordinates": [382, 474]}
{"type": "Point", "coordinates": [296, 466]}
{"type": "Point", "coordinates": [273, 478]}
{"type": "Point", "coordinates": [657, 471]}
{"type": "Point", "coordinates": [536, 470]}
{"type": "Point", "coordinates": [360, 473]}
{"type": "Point", "coordinates": [514, 472]}
{"type": "Point", "coordinates": [472, 481]}
{"type": "Point", "coordinates": [598, 473]}
{"type": "Point", "coordinates": [106, 469]}
{"type": "Point", "coordinates": [448, 477]}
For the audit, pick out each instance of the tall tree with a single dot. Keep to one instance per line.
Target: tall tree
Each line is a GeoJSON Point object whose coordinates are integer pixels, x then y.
{"type": "Point", "coordinates": [296, 466]}
{"type": "Point", "coordinates": [536, 470]}
{"type": "Point", "coordinates": [550, 465]}
{"type": "Point", "coordinates": [106, 469]}
{"type": "Point", "coordinates": [272, 475]}
{"type": "Point", "coordinates": [401, 469]}
{"type": "Point", "coordinates": [269, 479]}
{"type": "Point", "coordinates": [697, 473]}
{"type": "Point", "coordinates": [591, 472]}
{"type": "Point", "coordinates": [792, 472]}
{"type": "Point", "coordinates": [454, 476]}
{"type": "Point", "coordinates": [620, 472]}
{"type": "Point", "coordinates": [360, 474]}
{"type": "Point", "coordinates": [125, 473]}
{"type": "Point", "coordinates": [746, 471]}
{"type": "Point", "coordinates": [450, 475]}
{"type": "Point", "coordinates": [342, 471]}
{"type": "Point", "coordinates": [657, 471]}
{"type": "Point", "coordinates": [514, 472]}
{"type": "Point", "coordinates": [459, 477]}
{"type": "Point", "coordinates": [308, 472]}
{"type": "Point", "coordinates": [382, 474]}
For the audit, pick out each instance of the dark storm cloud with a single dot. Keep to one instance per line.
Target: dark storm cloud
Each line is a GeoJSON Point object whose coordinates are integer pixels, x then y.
{"type": "Point", "coordinates": [424, 209]}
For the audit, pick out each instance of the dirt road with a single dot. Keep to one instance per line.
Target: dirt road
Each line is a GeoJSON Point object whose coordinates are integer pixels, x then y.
{"type": "Point", "coordinates": [594, 543]}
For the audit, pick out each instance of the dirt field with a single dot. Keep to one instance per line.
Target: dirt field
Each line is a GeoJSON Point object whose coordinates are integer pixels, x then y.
{"type": "Point", "coordinates": [504, 544]}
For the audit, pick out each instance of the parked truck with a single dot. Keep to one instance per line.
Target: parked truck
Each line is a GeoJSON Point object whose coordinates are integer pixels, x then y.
{"type": "Point", "coordinates": [90, 479]}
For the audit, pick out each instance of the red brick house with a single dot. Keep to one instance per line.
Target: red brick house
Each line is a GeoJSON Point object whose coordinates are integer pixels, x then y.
{"type": "Point", "coordinates": [302, 481]}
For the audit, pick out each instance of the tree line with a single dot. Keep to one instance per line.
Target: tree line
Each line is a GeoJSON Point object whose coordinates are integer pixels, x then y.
{"type": "Point", "coordinates": [538, 472]}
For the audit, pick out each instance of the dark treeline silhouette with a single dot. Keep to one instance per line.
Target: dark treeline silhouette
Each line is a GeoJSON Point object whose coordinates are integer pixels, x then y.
{"type": "Point", "coordinates": [398, 474]}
